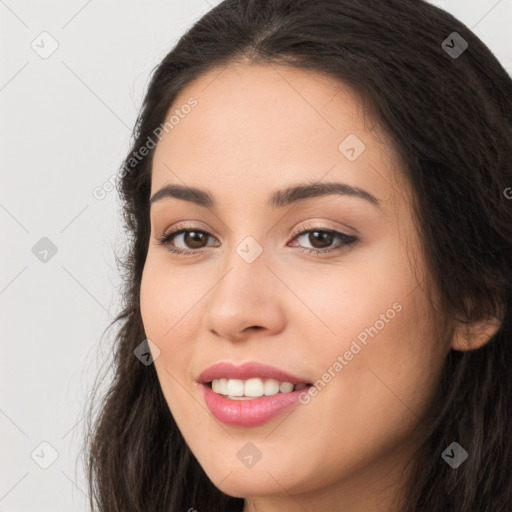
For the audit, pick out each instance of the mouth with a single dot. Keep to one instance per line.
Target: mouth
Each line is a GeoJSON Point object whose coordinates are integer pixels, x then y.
{"type": "Point", "coordinates": [250, 394]}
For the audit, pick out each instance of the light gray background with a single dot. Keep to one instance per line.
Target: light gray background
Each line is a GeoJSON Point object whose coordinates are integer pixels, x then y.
{"type": "Point", "coordinates": [65, 126]}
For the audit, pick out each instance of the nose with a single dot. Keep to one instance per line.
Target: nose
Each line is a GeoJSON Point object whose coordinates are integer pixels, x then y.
{"type": "Point", "coordinates": [245, 299]}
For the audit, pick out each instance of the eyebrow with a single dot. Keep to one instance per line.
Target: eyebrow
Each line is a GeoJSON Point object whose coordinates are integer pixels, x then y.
{"type": "Point", "coordinates": [280, 198]}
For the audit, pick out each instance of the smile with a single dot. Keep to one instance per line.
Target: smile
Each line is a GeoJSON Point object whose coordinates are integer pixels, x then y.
{"type": "Point", "coordinates": [250, 394]}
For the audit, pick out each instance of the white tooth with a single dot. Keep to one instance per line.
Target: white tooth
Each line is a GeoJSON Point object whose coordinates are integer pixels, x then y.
{"type": "Point", "coordinates": [223, 386]}
{"type": "Point", "coordinates": [240, 398]}
{"type": "Point", "coordinates": [235, 387]}
{"type": "Point", "coordinates": [253, 387]}
{"type": "Point", "coordinates": [286, 387]}
{"type": "Point", "coordinates": [215, 385]}
{"type": "Point", "coordinates": [271, 387]}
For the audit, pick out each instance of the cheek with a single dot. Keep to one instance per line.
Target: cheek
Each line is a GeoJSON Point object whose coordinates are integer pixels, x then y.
{"type": "Point", "coordinates": [362, 293]}
{"type": "Point", "coordinates": [379, 362]}
{"type": "Point", "coordinates": [168, 299]}
{"type": "Point", "coordinates": [165, 316]}
{"type": "Point", "coordinates": [371, 403]}
{"type": "Point", "coordinates": [172, 311]}
{"type": "Point", "coordinates": [166, 313]}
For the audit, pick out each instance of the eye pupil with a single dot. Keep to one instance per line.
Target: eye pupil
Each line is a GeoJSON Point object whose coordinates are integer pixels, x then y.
{"type": "Point", "coordinates": [191, 238]}
{"type": "Point", "coordinates": [325, 238]}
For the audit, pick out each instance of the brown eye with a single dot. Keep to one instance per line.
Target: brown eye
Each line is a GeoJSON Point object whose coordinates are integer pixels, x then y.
{"type": "Point", "coordinates": [195, 239]}
{"type": "Point", "coordinates": [321, 239]}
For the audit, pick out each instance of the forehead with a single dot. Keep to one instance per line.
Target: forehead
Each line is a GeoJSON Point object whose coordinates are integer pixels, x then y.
{"type": "Point", "coordinates": [256, 127]}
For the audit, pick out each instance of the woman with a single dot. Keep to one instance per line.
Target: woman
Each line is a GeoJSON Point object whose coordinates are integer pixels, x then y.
{"type": "Point", "coordinates": [318, 284]}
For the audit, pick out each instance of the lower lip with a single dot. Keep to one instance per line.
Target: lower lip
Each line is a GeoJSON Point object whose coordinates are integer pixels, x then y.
{"type": "Point", "coordinates": [248, 413]}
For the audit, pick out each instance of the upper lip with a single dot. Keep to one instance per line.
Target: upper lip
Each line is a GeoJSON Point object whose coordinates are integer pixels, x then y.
{"type": "Point", "coordinates": [246, 371]}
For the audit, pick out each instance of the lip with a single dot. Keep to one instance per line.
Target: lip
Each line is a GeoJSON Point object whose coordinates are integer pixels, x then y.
{"type": "Point", "coordinates": [246, 371]}
{"type": "Point", "coordinates": [248, 413]}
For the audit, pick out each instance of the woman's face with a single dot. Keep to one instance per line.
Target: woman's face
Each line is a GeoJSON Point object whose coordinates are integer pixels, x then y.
{"type": "Point", "coordinates": [352, 319]}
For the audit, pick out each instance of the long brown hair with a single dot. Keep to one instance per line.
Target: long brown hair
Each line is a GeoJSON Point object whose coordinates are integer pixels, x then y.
{"type": "Point", "coordinates": [449, 116]}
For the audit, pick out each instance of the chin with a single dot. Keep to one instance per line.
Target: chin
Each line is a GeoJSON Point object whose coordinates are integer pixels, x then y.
{"type": "Point", "coordinates": [248, 485]}
{"type": "Point", "coordinates": [263, 479]}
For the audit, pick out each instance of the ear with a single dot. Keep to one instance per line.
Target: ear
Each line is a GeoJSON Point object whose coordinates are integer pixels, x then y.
{"type": "Point", "coordinates": [475, 335]}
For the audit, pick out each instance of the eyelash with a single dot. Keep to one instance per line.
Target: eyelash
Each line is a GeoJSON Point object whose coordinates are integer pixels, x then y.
{"type": "Point", "coordinates": [166, 238]}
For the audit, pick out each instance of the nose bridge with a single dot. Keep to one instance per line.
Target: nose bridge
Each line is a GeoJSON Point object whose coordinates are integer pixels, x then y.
{"type": "Point", "coordinates": [245, 294]}
{"type": "Point", "coordinates": [247, 274]}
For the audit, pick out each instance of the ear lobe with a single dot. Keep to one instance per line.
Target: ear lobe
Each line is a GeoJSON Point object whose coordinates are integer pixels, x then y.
{"type": "Point", "coordinates": [475, 335]}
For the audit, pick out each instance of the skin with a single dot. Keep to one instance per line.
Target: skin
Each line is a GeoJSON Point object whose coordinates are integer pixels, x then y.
{"type": "Point", "coordinates": [257, 129]}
